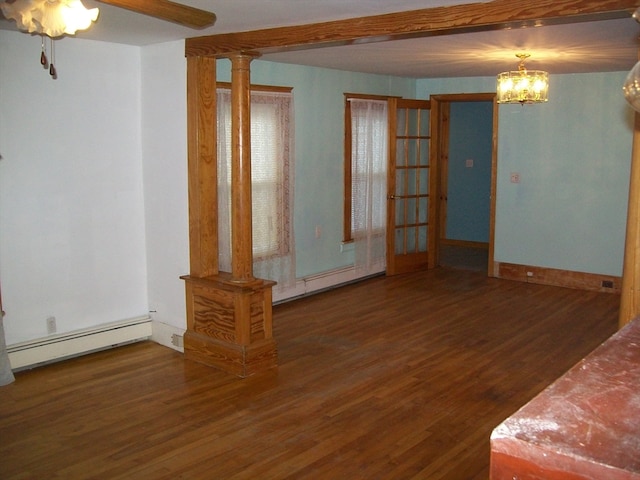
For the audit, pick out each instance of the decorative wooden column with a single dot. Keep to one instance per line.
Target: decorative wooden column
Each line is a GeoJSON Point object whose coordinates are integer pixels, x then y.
{"type": "Point", "coordinates": [241, 230]}
{"type": "Point", "coordinates": [630, 293]}
{"type": "Point", "coordinates": [229, 314]}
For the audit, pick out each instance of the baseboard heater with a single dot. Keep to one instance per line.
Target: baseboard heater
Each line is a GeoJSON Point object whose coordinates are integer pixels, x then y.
{"type": "Point", "coordinates": [324, 281]}
{"type": "Point", "coordinates": [57, 347]}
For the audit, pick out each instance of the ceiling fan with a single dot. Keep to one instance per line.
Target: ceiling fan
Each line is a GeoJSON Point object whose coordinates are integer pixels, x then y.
{"type": "Point", "coordinates": [30, 14]}
{"type": "Point", "coordinates": [166, 10]}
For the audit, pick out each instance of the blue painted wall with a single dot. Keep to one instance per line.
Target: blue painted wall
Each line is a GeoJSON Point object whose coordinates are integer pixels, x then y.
{"type": "Point", "coordinates": [469, 187]}
{"type": "Point", "coordinates": [573, 155]}
{"type": "Point", "coordinates": [319, 135]}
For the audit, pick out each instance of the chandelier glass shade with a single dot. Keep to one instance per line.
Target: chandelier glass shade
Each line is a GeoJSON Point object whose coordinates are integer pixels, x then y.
{"type": "Point", "coordinates": [52, 18]}
{"type": "Point", "coordinates": [523, 86]}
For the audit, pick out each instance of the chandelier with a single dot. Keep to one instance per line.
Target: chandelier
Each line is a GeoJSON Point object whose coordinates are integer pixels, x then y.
{"type": "Point", "coordinates": [523, 86]}
{"type": "Point", "coordinates": [52, 18]}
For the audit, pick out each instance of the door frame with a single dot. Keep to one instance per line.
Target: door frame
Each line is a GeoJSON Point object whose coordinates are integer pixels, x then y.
{"type": "Point", "coordinates": [440, 106]}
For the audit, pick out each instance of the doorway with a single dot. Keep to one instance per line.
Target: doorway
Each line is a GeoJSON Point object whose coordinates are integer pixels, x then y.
{"type": "Point", "coordinates": [465, 185]}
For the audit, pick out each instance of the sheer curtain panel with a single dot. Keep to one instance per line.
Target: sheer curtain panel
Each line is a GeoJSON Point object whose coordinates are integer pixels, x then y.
{"type": "Point", "coordinates": [272, 181]}
{"type": "Point", "coordinates": [369, 155]}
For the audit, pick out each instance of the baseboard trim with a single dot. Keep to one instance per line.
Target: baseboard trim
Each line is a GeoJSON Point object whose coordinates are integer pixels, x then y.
{"type": "Point", "coordinates": [464, 243]}
{"type": "Point", "coordinates": [33, 353]}
{"type": "Point", "coordinates": [559, 278]}
{"type": "Point", "coordinates": [168, 335]}
{"type": "Point", "coordinates": [323, 281]}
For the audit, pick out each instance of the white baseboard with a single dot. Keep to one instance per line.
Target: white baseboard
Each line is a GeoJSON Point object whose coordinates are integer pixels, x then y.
{"type": "Point", "coordinates": [57, 347]}
{"type": "Point", "coordinates": [324, 281]}
{"type": "Point", "coordinates": [168, 335]}
{"type": "Point", "coordinates": [32, 353]}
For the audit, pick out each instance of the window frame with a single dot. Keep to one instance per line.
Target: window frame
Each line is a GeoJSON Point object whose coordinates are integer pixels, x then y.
{"type": "Point", "coordinates": [283, 245]}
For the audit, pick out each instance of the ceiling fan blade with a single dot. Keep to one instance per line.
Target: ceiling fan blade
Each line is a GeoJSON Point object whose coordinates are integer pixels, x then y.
{"type": "Point", "coordinates": [166, 10]}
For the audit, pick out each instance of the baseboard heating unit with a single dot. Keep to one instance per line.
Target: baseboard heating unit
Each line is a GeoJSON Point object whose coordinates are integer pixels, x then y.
{"type": "Point", "coordinates": [57, 347]}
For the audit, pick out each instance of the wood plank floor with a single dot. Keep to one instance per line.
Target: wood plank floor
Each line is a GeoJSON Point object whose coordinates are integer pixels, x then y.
{"type": "Point", "coordinates": [391, 378]}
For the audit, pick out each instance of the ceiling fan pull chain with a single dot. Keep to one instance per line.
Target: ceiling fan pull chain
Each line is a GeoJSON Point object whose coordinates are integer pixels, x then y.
{"type": "Point", "coordinates": [52, 69]}
{"type": "Point", "coordinates": [43, 56]}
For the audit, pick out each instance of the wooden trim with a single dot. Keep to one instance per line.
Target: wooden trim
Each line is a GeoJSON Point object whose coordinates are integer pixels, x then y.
{"type": "Point", "coordinates": [202, 166]}
{"type": "Point", "coordinates": [464, 243]}
{"type": "Point", "coordinates": [464, 97]}
{"type": "Point", "coordinates": [241, 227]}
{"type": "Point", "coordinates": [392, 126]}
{"type": "Point", "coordinates": [434, 181]}
{"type": "Point", "coordinates": [559, 278]}
{"type": "Point", "coordinates": [630, 297]}
{"type": "Point", "coordinates": [347, 234]}
{"type": "Point", "coordinates": [366, 96]}
{"type": "Point", "coordinates": [167, 10]}
{"type": "Point", "coordinates": [497, 14]}
{"type": "Point", "coordinates": [492, 194]}
{"type": "Point", "coordinates": [258, 88]}
{"type": "Point", "coordinates": [441, 103]}
{"type": "Point", "coordinates": [441, 156]}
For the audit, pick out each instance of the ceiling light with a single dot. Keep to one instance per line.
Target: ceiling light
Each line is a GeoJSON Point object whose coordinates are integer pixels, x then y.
{"type": "Point", "coordinates": [523, 86]}
{"type": "Point", "coordinates": [52, 18]}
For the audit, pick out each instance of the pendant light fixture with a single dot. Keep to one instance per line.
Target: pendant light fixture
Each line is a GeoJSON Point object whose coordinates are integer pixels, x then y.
{"type": "Point", "coordinates": [523, 86]}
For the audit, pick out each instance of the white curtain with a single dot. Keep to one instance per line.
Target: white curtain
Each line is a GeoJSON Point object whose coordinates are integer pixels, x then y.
{"type": "Point", "coordinates": [369, 155]}
{"type": "Point", "coordinates": [272, 182]}
{"type": "Point", "coordinates": [6, 374]}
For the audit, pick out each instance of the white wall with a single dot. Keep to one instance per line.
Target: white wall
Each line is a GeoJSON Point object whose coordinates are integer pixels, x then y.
{"type": "Point", "coordinates": [164, 146]}
{"type": "Point", "coordinates": [72, 239]}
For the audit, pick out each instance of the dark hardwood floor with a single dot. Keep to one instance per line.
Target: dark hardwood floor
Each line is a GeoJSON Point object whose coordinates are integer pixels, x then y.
{"type": "Point", "coordinates": [467, 258]}
{"type": "Point", "coordinates": [391, 378]}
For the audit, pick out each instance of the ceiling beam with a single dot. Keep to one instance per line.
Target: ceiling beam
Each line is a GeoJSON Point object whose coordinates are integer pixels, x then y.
{"type": "Point", "coordinates": [167, 10]}
{"type": "Point", "coordinates": [492, 15]}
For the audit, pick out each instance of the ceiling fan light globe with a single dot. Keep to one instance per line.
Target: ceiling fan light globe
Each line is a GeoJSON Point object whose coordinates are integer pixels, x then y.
{"type": "Point", "coordinates": [77, 17]}
{"type": "Point", "coordinates": [53, 18]}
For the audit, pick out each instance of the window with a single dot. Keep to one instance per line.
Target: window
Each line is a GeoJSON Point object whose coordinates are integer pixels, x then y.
{"type": "Point", "coordinates": [366, 158]}
{"type": "Point", "coordinates": [271, 182]}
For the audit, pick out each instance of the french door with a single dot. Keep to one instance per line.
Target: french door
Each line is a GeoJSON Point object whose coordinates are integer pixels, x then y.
{"type": "Point", "coordinates": [410, 214]}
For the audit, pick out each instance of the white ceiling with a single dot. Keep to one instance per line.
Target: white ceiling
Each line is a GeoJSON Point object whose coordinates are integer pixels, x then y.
{"type": "Point", "coordinates": [610, 45]}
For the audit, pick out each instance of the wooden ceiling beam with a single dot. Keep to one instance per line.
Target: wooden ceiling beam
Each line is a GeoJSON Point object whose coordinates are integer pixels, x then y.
{"type": "Point", "coordinates": [492, 15]}
{"type": "Point", "coordinates": [167, 10]}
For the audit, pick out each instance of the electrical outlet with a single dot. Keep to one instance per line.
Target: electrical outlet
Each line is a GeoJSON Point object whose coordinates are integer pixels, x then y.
{"type": "Point", "coordinates": [177, 340]}
{"type": "Point", "coordinates": [51, 325]}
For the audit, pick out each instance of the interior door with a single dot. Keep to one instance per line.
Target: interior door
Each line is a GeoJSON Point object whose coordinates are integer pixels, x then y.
{"type": "Point", "coordinates": [410, 240]}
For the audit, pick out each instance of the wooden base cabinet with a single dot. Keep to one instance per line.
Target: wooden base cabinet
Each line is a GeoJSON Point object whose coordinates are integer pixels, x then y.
{"type": "Point", "coordinates": [229, 324]}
